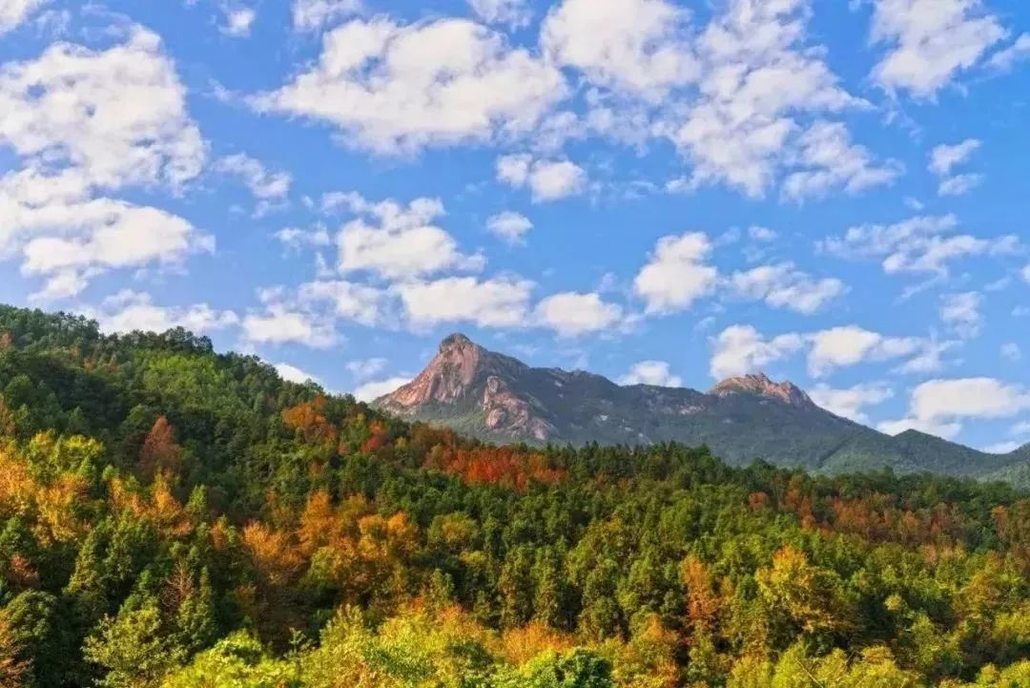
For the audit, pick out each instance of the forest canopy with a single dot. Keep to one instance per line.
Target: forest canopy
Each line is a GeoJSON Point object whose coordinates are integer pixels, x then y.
{"type": "Point", "coordinates": [175, 517]}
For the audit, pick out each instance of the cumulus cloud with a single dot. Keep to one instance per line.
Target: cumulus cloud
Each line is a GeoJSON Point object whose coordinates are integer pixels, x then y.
{"type": "Point", "coordinates": [847, 346]}
{"type": "Point", "coordinates": [572, 314]}
{"type": "Point", "coordinates": [370, 391]}
{"type": "Point", "coordinates": [14, 12]}
{"type": "Point", "coordinates": [84, 124]}
{"type": "Point", "coordinates": [1010, 351]}
{"type": "Point", "coordinates": [513, 13]}
{"type": "Point", "coordinates": [509, 226]}
{"type": "Point", "coordinates": [292, 373]}
{"type": "Point", "coordinates": [363, 369]}
{"type": "Point", "coordinates": [784, 286]}
{"type": "Point", "coordinates": [397, 241]}
{"type": "Point", "coordinates": [961, 312]}
{"type": "Point", "coordinates": [640, 45]}
{"type": "Point", "coordinates": [262, 183]}
{"type": "Point", "coordinates": [941, 406]}
{"type": "Point", "coordinates": [741, 349]}
{"type": "Point", "coordinates": [944, 158]}
{"type": "Point", "coordinates": [500, 302]}
{"type": "Point", "coordinates": [828, 160]}
{"type": "Point", "coordinates": [296, 238]}
{"type": "Point", "coordinates": [1005, 59]}
{"type": "Point", "coordinates": [677, 274]}
{"type": "Point", "coordinates": [761, 83]}
{"type": "Point", "coordinates": [279, 325]}
{"type": "Point", "coordinates": [311, 15]}
{"type": "Point", "coordinates": [851, 402]}
{"type": "Point", "coordinates": [919, 244]}
{"type": "Point", "coordinates": [959, 185]}
{"type": "Point", "coordinates": [656, 373]}
{"type": "Point", "coordinates": [359, 303]}
{"type": "Point", "coordinates": [238, 21]}
{"type": "Point", "coordinates": [128, 311]}
{"type": "Point", "coordinates": [930, 41]}
{"type": "Point", "coordinates": [397, 88]}
{"type": "Point", "coordinates": [548, 180]}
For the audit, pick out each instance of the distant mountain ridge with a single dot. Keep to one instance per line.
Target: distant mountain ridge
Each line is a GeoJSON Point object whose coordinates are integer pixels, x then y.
{"type": "Point", "coordinates": [499, 398]}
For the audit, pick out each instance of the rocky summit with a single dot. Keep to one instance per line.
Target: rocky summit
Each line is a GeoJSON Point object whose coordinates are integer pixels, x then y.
{"type": "Point", "coordinates": [498, 398]}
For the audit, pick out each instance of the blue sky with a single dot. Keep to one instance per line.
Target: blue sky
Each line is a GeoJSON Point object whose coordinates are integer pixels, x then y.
{"type": "Point", "coordinates": [663, 192]}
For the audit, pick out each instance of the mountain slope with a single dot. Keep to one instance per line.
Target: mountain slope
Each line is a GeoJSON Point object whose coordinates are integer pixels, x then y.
{"type": "Point", "coordinates": [498, 398]}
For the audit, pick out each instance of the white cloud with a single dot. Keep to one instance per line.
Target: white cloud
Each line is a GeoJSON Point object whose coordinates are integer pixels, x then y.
{"type": "Point", "coordinates": [940, 406]}
{"type": "Point", "coordinates": [930, 42]}
{"type": "Point", "coordinates": [944, 157]}
{"type": "Point", "coordinates": [829, 160]}
{"type": "Point", "coordinates": [1005, 59]}
{"type": "Point", "coordinates": [509, 226]}
{"type": "Point", "coordinates": [919, 244]}
{"type": "Point", "coordinates": [759, 233]}
{"type": "Point", "coordinates": [238, 21]}
{"type": "Point", "coordinates": [14, 12]}
{"type": "Point", "coordinates": [357, 302]}
{"type": "Point", "coordinates": [784, 286]}
{"type": "Point", "coordinates": [296, 238]}
{"type": "Point", "coordinates": [129, 311]}
{"type": "Point", "coordinates": [399, 88]}
{"type": "Point", "coordinates": [311, 15]}
{"type": "Point", "coordinates": [760, 81]}
{"type": "Point", "coordinates": [959, 185]}
{"type": "Point", "coordinates": [262, 183]}
{"type": "Point", "coordinates": [1002, 447]}
{"type": "Point", "coordinates": [500, 302]}
{"type": "Point", "coordinates": [364, 369]}
{"type": "Point", "coordinates": [961, 312]}
{"type": "Point", "coordinates": [72, 106]}
{"type": "Point", "coordinates": [741, 349]}
{"type": "Point", "coordinates": [847, 346]}
{"type": "Point", "coordinates": [400, 241]}
{"type": "Point", "coordinates": [513, 13]}
{"type": "Point", "coordinates": [677, 273]}
{"type": "Point", "coordinates": [852, 401]}
{"type": "Point", "coordinates": [572, 314]}
{"type": "Point", "coordinates": [292, 373]}
{"type": "Point", "coordinates": [1010, 351]}
{"type": "Point", "coordinates": [1026, 274]}
{"type": "Point", "coordinates": [929, 359]}
{"type": "Point", "coordinates": [370, 391]}
{"type": "Point", "coordinates": [1020, 429]}
{"type": "Point", "coordinates": [548, 180]}
{"type": "Point", "coordinates": [938, 428]}
{"type": "Point", "coordinates": [279, 325]}
{"type": "Point", "coordinates": [640, 45]}
{"type": "Point", "coordinates": [73, 238]}
{"type": "Point", "coordinates": [656, 373]}
{"type": "Point", "coordinates": [85, 123]}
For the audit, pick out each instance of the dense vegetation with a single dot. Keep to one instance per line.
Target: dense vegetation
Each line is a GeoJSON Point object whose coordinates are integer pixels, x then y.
{"type": "Point", "coordinates": [173, 517]}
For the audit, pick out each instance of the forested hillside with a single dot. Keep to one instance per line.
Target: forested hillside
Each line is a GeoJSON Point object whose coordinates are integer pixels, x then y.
{"type": "Point", "coordinates": [174, 517]}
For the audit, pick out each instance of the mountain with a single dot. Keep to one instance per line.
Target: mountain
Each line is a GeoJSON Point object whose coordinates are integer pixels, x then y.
{"type": "Point", "coordinates": [498, 398]}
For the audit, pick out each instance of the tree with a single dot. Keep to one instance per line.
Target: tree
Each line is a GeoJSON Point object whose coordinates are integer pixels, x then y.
{"type": "Point", "coordinates": [132, 648]}
{"type": "Point", "coordinates": [160, 452]}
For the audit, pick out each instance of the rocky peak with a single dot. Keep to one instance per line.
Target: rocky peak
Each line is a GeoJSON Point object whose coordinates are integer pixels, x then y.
{"type": "Point", "coordinates": [759, 384]}
{"type": "Point", "coordinates": [447, 377]}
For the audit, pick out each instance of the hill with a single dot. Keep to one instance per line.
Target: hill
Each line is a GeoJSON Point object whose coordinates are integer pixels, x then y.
{"type": "Point", "coordinates": [173, 517]}
{"type": "Point", "coordinates": [498, 398]}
